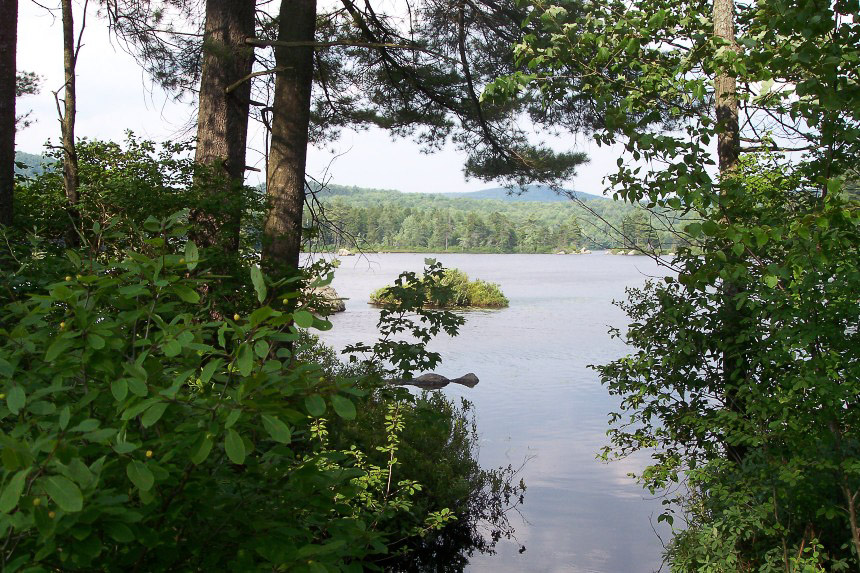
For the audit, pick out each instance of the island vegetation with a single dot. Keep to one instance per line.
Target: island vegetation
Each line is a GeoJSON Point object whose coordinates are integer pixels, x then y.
{"type": "Point", "coordinates": [458, 292]}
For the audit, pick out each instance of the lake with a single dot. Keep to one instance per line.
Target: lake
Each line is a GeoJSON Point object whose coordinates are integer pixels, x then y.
{"type": "Point", "coordinates": [537, 400]}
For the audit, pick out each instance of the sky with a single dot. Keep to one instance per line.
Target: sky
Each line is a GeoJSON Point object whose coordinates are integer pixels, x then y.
{"type": "Point", "coordinates": [114, 95]}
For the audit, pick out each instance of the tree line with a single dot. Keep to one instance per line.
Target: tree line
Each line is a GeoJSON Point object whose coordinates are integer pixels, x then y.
{"type": "Point", "coordinates": [388, 220]}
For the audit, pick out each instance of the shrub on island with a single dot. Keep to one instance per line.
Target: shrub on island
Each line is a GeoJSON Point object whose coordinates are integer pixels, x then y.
{"type": "Point", "coordinates": [462, 292]}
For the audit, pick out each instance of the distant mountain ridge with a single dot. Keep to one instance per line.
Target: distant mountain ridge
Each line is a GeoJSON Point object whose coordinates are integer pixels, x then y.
{"type": "Point", "coordinates": [33, 164]}
{"type": "Point", "coordinates": [529, 193]}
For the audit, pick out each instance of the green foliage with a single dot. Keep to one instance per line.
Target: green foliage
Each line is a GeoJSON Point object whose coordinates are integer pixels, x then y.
{"type": "Point", "coordinates": [124, 190]}
{"type": "Point", "coordinates": [438, 448]}
{"type": "Point", "coordinates": [792, 416]}
{"type": "Point", "coordinates": [418, 310]}
{"type": "Point", "coordinates": [743, 377]}
{"type": "Point", "coordinates": [459, 292]}
{"type": "Point", "coordinates": [136, 427]}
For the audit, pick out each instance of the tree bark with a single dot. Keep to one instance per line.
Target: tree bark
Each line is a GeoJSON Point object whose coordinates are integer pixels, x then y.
{"type": "Point", "coordinates": [728, 151]}
{"type": "Point", "coordinates": [8, 46]}
{"type": "Point", "coordinates": [725, 86]}
{"type": "Point", "coordinates": [222, 126]}
{"type": "Point", "coordinates": [71, 180]}
{"type": "Point", "coordinates": [285, 180]}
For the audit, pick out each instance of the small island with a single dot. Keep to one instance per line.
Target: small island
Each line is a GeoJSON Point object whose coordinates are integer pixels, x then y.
{"type": "Point", "coordinates": [466, 293]}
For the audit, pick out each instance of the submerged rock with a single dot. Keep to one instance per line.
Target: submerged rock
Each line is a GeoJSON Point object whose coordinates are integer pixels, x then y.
{"type": "Point", "coordinates": [431, 381]}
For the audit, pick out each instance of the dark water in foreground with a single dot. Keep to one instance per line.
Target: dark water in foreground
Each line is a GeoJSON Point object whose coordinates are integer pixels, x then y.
{"type": "Point", "coordinates": [537, 399]}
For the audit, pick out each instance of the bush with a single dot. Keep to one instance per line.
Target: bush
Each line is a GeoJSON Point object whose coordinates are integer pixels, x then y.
{"type": "Point", "coordinates": [139, 432]}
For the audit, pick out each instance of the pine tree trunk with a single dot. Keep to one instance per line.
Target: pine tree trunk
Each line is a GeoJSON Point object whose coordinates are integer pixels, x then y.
{"type": "Point", "coordinates": [728, 150]}
{"type": "Point", "coordinates": [725, 86]}
{"type": "Point", "coordinates": [222, 125]}
{"type": "Point", "coordinates": [8, 45]}
{"type": "Point", "coordinates": [285, 181]}
{"type": "Point", "coordinates": [71, 180]}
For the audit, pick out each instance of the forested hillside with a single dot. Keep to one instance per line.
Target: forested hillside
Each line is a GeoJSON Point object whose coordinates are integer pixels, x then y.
{"type": "Point", "coordinates": [28, 163]}
{"type": "Point", "coordinates": [380, 219]}
{"type": "Point", "coordinates": [537, 220]}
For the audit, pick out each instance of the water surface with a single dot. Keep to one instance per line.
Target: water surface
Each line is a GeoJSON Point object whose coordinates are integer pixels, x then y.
{"type": "Point", "coordinates": [537, 400]}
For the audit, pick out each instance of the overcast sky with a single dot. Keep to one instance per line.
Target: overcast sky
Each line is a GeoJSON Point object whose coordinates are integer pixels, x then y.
{"type": "Point", "coordinates": [115, 96]}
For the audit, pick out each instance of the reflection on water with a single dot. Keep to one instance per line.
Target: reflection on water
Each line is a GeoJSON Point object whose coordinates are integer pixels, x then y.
{"type": "Point", "coordinates": [538, 399]}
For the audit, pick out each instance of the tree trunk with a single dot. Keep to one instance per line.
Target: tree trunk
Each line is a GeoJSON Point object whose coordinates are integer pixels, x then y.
{"type": "Point", "coordinates": [728, 150]}
{"type": "Point", "coordinates": [285, 180]}
{"type": "Point", "coordinates": [8, 46]}
{"type": "Point", "coordinates": [725, 86]}
{"type": "Point", "coordinates": [222, 125]}
{"type": "Point", "coordinates": [71, 180]}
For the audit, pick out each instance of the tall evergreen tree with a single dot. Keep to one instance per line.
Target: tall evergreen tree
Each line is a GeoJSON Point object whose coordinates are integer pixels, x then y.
{"type": "Point", "coordinates": [8, 51]}
{"type": "Point", "coordinates": [222, 119]}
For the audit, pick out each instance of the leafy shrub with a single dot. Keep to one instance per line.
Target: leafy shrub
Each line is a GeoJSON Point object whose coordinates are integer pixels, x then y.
{"type": "Point", "coordinates": [140, 432]}
{"type": "Point", "coordinates": [439, 449]}
{"type": "Point", "coordinates": [743, 382]}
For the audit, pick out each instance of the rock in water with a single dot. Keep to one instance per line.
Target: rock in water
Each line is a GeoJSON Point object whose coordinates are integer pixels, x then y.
{"type": "Point", "coordinates": [469, 380]}
{"type": "Point", "coordinates": [332, 300]}
{"type": "Point", "coordinates": [432, 381]}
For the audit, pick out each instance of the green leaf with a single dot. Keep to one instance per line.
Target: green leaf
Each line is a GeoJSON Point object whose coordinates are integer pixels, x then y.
{"type": "Point", "coordinates": [186, 293]}
{"type": "Point", "coordinates": [119, 531]}
{"type": "Point", "coordinates": [303, 319]}
{"type": "Point", "coordinates": [172, 348]}
{"type": "Point", "coordinates": [6, 369]}
{"type": "Point", "coordinates": [343, 407]}
{"type": "Point", "coordinates": [710, 228]}
{"type": "Point", "coordinates": [136, 371]}
{"type": "Point", "coordinates": [315, 405]}
{"type": "Point", "coordinates": [65, 493]}
{"type": "Point", "coordinates": [56, 348]}
{"type": "Point", "coordinates": [695, 229]}
{"type": "Point", "coordinates": [259, 283]}
{"type": "Point", "coordinates": [12, 492]}
{"type": "Point", "coordinates": [65, 415]}
{"type": "Point", "coordinates": [16, 399]}
{"type": "Point", "coordinates": [73, 258]}
{"type": "Point", "coordinates": [137, 386]}
{"type": "Point", "coordinates": [232, 418]}
{"type": "Point", "coordinates": [201, 451]}
{"type": "Point", "coordinates": [140, 475]}
{"type": "Point", "coordinates": [87, 425]}
{"type": "Point", "coordinates": [771, 280]}
{"type": "Point", "coordinates": [208, 370]}
{"type": "Point", "coordinates": [279, 431]}
{"type": "Point", "coordinates": [235, 447]}
{"type": "Point", "coordinates": [95, 341]}
{"type": "Point", "coordinates": [245, 359]}
{"type": "Point", "coordinates": [261, 348]}
{"type": "Point", "coordinates": [153, 414]}
{"type": "Point", "coordinates": [192, 255]}
{"type": "Point", "coordinates": [125, 447]}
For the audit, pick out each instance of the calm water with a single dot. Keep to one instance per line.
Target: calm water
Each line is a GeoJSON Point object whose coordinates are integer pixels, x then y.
{"type": "Point", "coordinates": [537, 399]}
